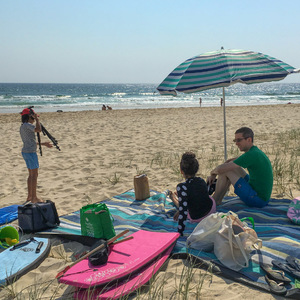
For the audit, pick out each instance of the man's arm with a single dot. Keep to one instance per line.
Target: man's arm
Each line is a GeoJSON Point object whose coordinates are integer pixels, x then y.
{"type": "Point", "coordinates": [47, 144]}
{"type": "Point", "coordinates": [224, 168]}
{"type": "Point", "coordinates": [221, 169]}
{"type": "Point", "coordinates": [38, 127]}
{"type": "Point", "coordinates": [231, 159]}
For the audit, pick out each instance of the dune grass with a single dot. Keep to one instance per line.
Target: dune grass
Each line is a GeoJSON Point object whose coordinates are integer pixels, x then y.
{"type": "Point", "coordinates": [283, 150]}
{"type": "Point", "coordinates": [187, 282]}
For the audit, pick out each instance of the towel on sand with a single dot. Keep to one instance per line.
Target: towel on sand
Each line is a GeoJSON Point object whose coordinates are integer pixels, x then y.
{"type": "Point", "coordinates": [8, 214]}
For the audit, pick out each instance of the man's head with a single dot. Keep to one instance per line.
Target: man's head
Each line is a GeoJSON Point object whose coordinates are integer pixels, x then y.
{"type": "Point", "coordinates": [244, 138]}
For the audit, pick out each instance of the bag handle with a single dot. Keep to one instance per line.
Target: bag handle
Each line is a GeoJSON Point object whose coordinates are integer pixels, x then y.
{"type": "Point", "coordinates": [57, 221]}
{"type": "Point", "coordinates": [230, 234]}
{"type": "Point", "coordinates": [111, 217]}
{"type": "Point", "coordinates": [250, 219]}
{"type": "Point", "coordinates": [46, 221]}
{"type": "Point", "coordinates": [106, 210]}
{"type": "Point", "coordinates": [257, 244]}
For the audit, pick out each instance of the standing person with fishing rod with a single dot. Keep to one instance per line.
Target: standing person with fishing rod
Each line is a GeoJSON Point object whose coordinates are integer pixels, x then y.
{"type": "Point", "coordinates": [27, 132]}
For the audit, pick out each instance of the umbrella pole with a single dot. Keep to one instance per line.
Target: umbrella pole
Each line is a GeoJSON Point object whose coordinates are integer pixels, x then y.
{"type": "Point", "coordinates": [224, 119]}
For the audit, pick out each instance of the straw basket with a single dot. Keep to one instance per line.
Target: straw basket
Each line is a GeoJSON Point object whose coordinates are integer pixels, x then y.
{"type": "Point", "coordinates": [141, 187]}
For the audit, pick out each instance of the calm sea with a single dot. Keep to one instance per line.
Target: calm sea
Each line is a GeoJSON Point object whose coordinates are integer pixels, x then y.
{"type": "Point", "coordinates": [75, 97]}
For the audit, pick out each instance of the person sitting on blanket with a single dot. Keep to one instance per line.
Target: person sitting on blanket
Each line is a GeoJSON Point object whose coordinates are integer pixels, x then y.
{"type": "Point", "coordinates": [254, 188]}
{"type": "Point", "coordinates": [191, 197]}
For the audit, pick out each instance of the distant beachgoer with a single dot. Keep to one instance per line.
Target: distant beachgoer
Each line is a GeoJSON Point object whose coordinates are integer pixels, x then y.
{"type": "Point", "coordinates": [200, 101]}
{"type": "Point", "coordinates": [221, 102]}
{"type": "Point", "coordinates": [103, 107]}
{"type": "Point", "coordinates": [27, 132]}
{"type": "Point", "coordinates": [254, 188]}
{"type": "Point", "coordinates": [191, 197]}
{"type": "Point", "coordinates": [108, 107]}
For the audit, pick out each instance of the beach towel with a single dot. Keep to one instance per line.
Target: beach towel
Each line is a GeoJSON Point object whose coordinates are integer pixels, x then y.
{"type": "Point", "coordinates": [8, 214]}
{"type": "Point", "coordinates": [280, 236]}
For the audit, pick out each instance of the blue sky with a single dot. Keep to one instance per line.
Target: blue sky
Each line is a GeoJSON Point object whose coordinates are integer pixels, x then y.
{"type": "Point", "coordinates": [136, 41]}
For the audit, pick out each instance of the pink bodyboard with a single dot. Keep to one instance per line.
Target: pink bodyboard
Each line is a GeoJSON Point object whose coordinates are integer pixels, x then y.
{"type": "Point", "coordinates": [127, 285]}
{"type": "Point", "coordinates": [124, 259]}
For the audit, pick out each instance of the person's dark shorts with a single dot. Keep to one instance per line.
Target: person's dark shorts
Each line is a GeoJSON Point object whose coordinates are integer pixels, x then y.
{"type": "Point", "coordinates": [246, 193]}
{"type": "Point", "coordinates": [31, 160]}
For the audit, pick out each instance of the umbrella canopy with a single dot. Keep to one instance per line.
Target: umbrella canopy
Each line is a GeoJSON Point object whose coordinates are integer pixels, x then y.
{"type": "Point", "coordinates": [221, 69]}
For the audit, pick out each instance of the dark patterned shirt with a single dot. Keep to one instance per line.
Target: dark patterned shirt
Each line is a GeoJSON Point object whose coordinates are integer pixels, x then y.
{"type": "Point", "coordinates": [193, 198]}
{"type": "Point", "coordinates": [27, 132]}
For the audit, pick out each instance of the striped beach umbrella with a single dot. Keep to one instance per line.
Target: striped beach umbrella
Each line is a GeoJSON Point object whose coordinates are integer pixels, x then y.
{"type": "Point", "coordinates": [221, 69]}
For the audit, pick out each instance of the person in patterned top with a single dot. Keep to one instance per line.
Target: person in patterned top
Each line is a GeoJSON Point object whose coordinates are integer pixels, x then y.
{"type": "Point", "coordinates": [191, 197]}
{"type": "Point", "coordinates": [27, 132]}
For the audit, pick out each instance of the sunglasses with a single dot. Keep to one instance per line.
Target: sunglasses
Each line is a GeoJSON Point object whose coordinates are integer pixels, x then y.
{"type": "Point", "coordinates": [239, 140]}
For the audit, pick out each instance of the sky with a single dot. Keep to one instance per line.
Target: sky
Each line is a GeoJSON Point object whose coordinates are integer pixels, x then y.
{"type": "Point", "coordinates": [136, 41]}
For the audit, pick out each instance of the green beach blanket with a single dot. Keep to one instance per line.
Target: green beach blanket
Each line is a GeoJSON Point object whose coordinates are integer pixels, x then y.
{"type": "Point", "coordinates": [280, 237]}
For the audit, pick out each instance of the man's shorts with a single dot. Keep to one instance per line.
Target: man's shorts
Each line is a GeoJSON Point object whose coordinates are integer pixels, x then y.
{"type": "Point", "coordinates": [31, 160]}
{"type": "Point", "coordinates": [246, 193]}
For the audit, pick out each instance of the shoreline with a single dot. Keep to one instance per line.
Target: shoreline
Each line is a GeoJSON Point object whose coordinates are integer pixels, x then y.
{"type": "Point", "coordinates": [98, 108]}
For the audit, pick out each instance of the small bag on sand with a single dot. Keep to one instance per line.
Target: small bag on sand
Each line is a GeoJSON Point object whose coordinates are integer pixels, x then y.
{"type": "Point", "coordinates": [234, 242]}
{"type": "Point", "coordinates": [96, 221]}
{"type": "Point", "coordinates": [293, 212]}
{"type": "Point", "coordinates": [100, 257]}
{"type": "Point", "coordinates": [33, 217]}
{"type": "Point", "coordinates": [141, 187]}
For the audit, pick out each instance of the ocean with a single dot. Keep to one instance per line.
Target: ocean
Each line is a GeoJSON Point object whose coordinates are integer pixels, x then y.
{"type": "Point", "coordinates": [77, 97]}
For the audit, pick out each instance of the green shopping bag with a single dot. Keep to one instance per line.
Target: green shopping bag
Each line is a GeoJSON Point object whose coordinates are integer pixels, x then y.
{"type": "Point", "coordinates": [96, 221]}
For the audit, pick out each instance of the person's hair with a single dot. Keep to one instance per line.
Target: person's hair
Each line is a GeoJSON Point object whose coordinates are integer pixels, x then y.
{"type": "Point", "coordinates": [25, 118]}
{"type": "Point", "coordinates": [246, 132]}
{"type": "Point", "coordinates": [189, 164]}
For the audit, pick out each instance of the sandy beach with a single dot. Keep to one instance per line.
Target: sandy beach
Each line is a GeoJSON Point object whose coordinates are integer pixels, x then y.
{"type": "Point", "coordinates": [101, 152]}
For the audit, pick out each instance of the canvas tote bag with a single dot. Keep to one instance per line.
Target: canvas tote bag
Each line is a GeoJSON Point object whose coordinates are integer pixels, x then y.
{"type": "Point", "coordinates": [234, 242]}
{"type": "Point", "coordinates": [203, 236]}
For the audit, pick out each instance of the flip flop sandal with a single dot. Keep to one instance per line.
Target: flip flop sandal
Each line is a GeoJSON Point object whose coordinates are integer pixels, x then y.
{"type": "Point", "coordinates": [275, 288]}
{"type": "Point", "coordinates": [26, 202]}
{"type": "Point", "coordinates": [286, 268]}
{"type": "Point", "coordinates": [276, 275]}
{"type": "Point", "coordinates": [293, 262]}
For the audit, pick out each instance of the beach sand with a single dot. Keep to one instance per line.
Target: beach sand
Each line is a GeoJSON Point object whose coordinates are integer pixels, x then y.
{"type": "Point", "coordinates": [101, 152]}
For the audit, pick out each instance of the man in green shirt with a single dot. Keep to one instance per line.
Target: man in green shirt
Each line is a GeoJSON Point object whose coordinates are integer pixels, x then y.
{"type": "Point", "coordinates": [254, 188]}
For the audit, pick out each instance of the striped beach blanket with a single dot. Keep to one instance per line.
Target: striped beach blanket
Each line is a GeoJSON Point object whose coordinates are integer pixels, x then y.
{"type": "Point", "coordinates": [280, 237]}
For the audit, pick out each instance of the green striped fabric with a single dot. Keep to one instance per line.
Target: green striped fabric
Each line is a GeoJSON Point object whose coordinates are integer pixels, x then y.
{"type": "Point", "coordinates": [222, 69]}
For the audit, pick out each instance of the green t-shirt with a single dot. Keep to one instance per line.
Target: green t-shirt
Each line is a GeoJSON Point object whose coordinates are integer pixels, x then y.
{"type": "Point", "coordinates": [260, 171]}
